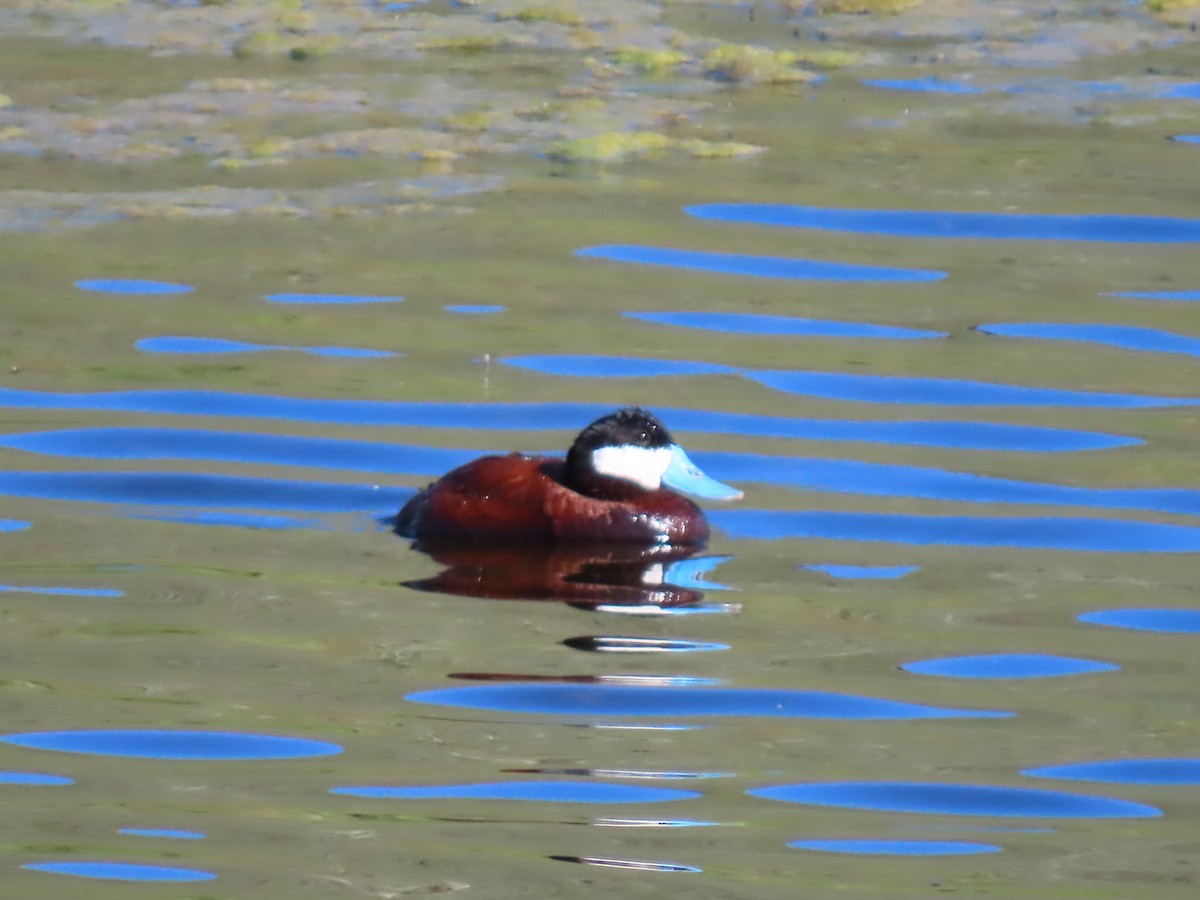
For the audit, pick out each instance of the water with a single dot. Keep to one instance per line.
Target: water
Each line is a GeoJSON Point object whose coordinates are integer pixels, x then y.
{"type": "Point", "coordinates": [945, 644]}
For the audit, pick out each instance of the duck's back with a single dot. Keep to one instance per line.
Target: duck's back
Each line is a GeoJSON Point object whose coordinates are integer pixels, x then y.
{"type": "Point", "coordinates": [522, 499]}
{"type": "Point", "coordinates": [492, 497]}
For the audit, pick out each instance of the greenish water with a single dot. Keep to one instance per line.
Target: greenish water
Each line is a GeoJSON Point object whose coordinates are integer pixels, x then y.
{"type": "Point", "coordinates": [385, 169]}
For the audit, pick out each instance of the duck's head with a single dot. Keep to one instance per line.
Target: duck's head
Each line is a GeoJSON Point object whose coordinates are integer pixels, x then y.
{"type": "Point", "coordinates": [629, 452]}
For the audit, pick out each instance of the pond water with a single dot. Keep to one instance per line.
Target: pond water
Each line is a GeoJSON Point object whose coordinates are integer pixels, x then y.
{"type": "Point", "coordinates": [922, 284]}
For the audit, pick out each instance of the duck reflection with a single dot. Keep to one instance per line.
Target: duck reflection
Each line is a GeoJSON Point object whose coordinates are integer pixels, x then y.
{"type": "Point", "coordinates": [591, 576]}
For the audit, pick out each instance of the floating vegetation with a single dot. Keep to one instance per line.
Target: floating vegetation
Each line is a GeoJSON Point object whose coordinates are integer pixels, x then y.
{"type": "Point", "coordinates": [615, 146]}
{"type": "Point", "coordinates": [24, 210]}
{"type": "Point", "coordinates": [747, 63]}
{"type": "Point", "coordinates": [864, 7]}
{"type": "Point", "coordinates": [644, 59]}
{"type": "Point", "coordinates": [467, 42]}
{"type": "Point", "coordinates": [557, 13]}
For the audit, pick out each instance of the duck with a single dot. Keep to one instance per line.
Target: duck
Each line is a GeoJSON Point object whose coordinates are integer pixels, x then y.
{"type": "Point", "coordinates": [622, 481]}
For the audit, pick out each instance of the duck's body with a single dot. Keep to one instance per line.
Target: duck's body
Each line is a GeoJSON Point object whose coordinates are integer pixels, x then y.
{"type": "Point", "coordinates": [613, 487]}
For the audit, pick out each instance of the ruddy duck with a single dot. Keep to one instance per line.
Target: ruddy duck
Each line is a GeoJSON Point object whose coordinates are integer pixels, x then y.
{"type": "Point", "coordinates": [616, 485]}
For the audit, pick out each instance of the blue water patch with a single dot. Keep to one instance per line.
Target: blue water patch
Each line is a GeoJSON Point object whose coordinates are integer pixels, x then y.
{"type": "Point", "coordinates": [1188, 90]}
{"type": "Point", "coordinates": [836, 570]}
{"type": "Point", "coordinates": [12, 525]}
{"type": "Point", "coordinates": [1186, 138]}
{"type": "Point", "coordinates": [1008, 665]}
{"type": "Point", "coordinates": [1125, 771]}
{"type": "Point", "coordinates": [116, 871]}
{"type": "Point", "coordinates": [476, 309]}
{"type": "Point", "coordinates": [896, 848]}
{"type": "Point", "coordinates": [751, 323]}
{"type": "Point", "coordinates": [955, 800]}
{"type": "Point", "coordinates": [885, 480]}
{"type": "Point", "coordinates": [1125, 337]}
{"type": "Point", "coordinates": [592, 700]}
{"type": "Point", "coordinates": [34, 778]}
{"type": "Point", "coordinates": [756, 266]}
{"type": "Point", "coordinates": [1048, 533]}
{"type": "Point", "coordinates": [336, 299]}
{"type": "Point", "coordinates": [950, 224]}
{"type": "Point", "coordinates": [61, 591]}
{"type": "Point", "coordinates": [543, 791]}
{"type": "Point", "coordinates": [155, 744]}
{"type": "Point", "coordinates": [200, 345]}
{"type": "Point", "coordinates": [199, 490]}
{"type": "Point", "coordinates": [529, 416]}
{"type": "Point", "coordinates": [843, 386]}
{"type": "Point", "coordinates": [927, 85]}
{"type": "Point", "coordinates": [946, 391]}
{"type": "Point", "coordinates": [1171, 621]}
{"type": "Point", "coordinates": [1155, 295]}
{"type": "Point", "coordinates": [164, 833]}
{"type": "Point", "coordinates": [132, 286]}
{"type": "Point", "coordinates": [224, 446]}
{"type": "Point", "coordinates": [240, 520]}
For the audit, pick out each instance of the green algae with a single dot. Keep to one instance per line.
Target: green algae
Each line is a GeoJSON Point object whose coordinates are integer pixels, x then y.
{"type": "Point", "coordinates": [644, 59]}
{"type": "Point", "coordinates": [616, 146]}
{"type": "Point", "coordinates": [747, 63]}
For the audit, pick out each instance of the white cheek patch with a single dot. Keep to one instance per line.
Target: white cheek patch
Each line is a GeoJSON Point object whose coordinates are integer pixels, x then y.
{"type": "Point", "coordinates": [643, 466]}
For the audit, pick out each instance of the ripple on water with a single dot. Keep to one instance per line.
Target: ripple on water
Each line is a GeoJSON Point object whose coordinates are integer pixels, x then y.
{"type": "Point", "coordinates": [35, 778]}
{"type": "Point", "coordinates": [1171, 621]}
{"type": "Point", "coordinates": [475, 309]}
{"type": "Point", "coordinates": [242, 520]}
{"type": "Point", "coordinates": [132, 286]}
{"type": "Point", "coordinates": [1048, 533]}
{"type": "Point", "coordinates": [529, 416]}
{"type": "Point", "coordinates": [756, 266]}
{"type": "Point", "coordinates": [1008, 665]}
{"type": "Point", "coordinates": [1186, 138]}
{"type": "Point", "coordinates": [335, 299]}
{"type": "Point", "coordinates": [1188, 90]}
{"type": "Point", "coordinates": [809, 473]}
{"type": "Point", "coordinates": [843, 386]}
{"type": "Point", "coordinates": [12, 525]}
{"type": "Point", "coordinates": [1155, 295]}
{"type": "Point", "coordinates": [61, 591]}
{"type": "Point", "coordinates": [602, 643]}
{"type": "Point", "coordinates": [637, 865]}
{"type": "Point", "coordinates": [601, 700]}
{"type": "Point", "coordinates": [117, 871]}
{"type": "Point", "coordinates": [1124, 337]}
{"type": "Point", "coordinates": [540, 791]}
{"type": "Point", "coordinates": [1125, 771]}
{"type": "Point", "coordinates": [228, 446]}
{"type": "Point", "coordinates": [750, 323]}
{"type": "Point", "coordinates": [155, 744]}
{"type": "Point", "coordinates": [836, 570]}
{"type": "Point", "coordinates": [171, 833]}
{"type": "Point", "coordinates": [202, 491]}
{"type": "Point", "coordinates": [896, 848]}
{"type": "Point", "coordinates": [201, 345]}
{"type": "Point", "coordinates": [927, 85]}
{"type": "Point", "coordinates": [950, 224]}
{"type": "Point", "coordinates": [955, 799]}
{"type": "Point", "coordinates": [882, 479]}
